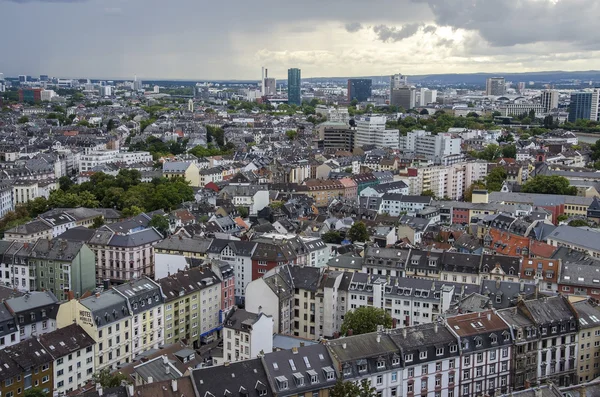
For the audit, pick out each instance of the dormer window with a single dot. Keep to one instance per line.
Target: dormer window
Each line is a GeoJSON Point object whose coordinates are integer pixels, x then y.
{"type": "Point", "coordinates": [423, 355]}
{"type": "Point", "coordinates": [493, 338]}
{"type": "Point", "coordinates": [395, 361]}
{"type": "Point", "coordinates": [282, 382]}
{"type": "Point", "coordinates": [408, 357]}
{"type": "Point", "coordinates": [329, 373]}
{"type": "Point", "coordinates": [380, 364]}
{"type": "Point", "coordinates": [478, 342]}
{"type": "Point", "coordinates": [439, 351]}
{"type": "Point", "coordinates": [453, 349]}
{"type": "Point", "coordinates": [362, 368]}
{"type": "Point", "coordinates": [507, 336]}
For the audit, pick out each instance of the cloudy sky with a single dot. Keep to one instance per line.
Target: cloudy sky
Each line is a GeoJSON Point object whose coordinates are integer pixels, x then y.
{"type": "Point", "coordinates": [232, 39]}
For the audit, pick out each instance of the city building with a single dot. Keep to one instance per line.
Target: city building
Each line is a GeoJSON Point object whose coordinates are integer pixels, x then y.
{"type": "Point", "coordinates": [370, 130]}
{"type": "Point", "coordinates": [192, 305]}
{"type": "Point", "coordinates": [359, 89]}
{"type": "Point", "coordinates": [495, 86]}
{"type": "Point", "coordinates": [73, 352]}
{"type": "Point", "coordinates": [549, 100]}
{"type": "Point", "coordinates": [294, 87]}
{"type": "Point", "coordinates": [588, 363]}
{"type": "Point", "coordinates": [404, 97]}
{"type": "Point", "coordinates": [427, 96]}
{"type": "Point", "coordinates": [145, 301]}
{"type": "Point", "coordinates": [34, 312]}
{"type": "Point", "coordinates": [186, 170]}
{"type": "Point", "coordinates": [25, 365]}
{"type": "Point", "coordinates": [486, 351]}
{"type": "Point", "coordinates": [336, 136]}
{"type": "Point", "coordinates": [30, 95]}
{"type": "Point", "coordinates": [581, 106]}
{"type": "Point", "coordinates": [247, 335]}
{"type": "Point", "coordinates": [106, 318]}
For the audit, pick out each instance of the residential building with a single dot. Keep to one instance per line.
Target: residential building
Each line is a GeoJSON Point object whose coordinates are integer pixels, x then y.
{"type": "Point", "coordinates": [430, 361]}
{"type": "Point", "coordinates": [486, 352]}
{"type": "Point", "coordinates": [359, 89]}
{"type": "Point", "coordinates": [395, 204]}
{"type": "Point", "coordinates": [25, 365]}
{"type": "Point", "coordinates": [244, 377]}
{"type": "Point", "coordinates": [576, 239]}
{"type": "Point", "coordinates": [184, 246]}
{"type": "Point", "coordinates": [34, 312]}
{"type": "Point", "coordinates": [106, 318]}
{"type": "Point", "coordinates": [192, 305]}
{"type": "Point", "coordinates": [238, 254]}
{"type": "Point", "coordinates": [301, 371]}
{"type": "Point", "coordinates": [549, 100]}
{"type": "Point", "coordinates": [588, 363]}
{"type": "Point", "coordinates": [370, 130]}
{"type": "Point", "coordinates": [253, 197]}
{"type": "Point", "coordinates": [72, 350]}
{"type": "Point", "coordinates": [247, 335]}
{"type": "Point", "coordinates": [558, 330]}
{"type": "Point", "coordinates": [495, 86]}
{"type": "Point", "coordinates": [145, 302]}
{"type": "Point", "coordinates": [24, 190]}
{"type": "Point", "coordinates": [186, 170]}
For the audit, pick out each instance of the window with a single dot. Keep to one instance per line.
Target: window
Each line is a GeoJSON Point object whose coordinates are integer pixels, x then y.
{"type": "Point", "coordinates": [423, 355]}
{"type": "Point", "coordinates": [379, 379]}
{"type": "Point", "coordinates": [408, 357]}
{"type": "Point", "coordinates": [395, 361]}
{"type": "Point", "coordinates": [424, 369]}
{"type": "Point", "coordinates": [394, 376]}
{"type": "Point", "coordinates": [45, 379]}
{"type": "Point", "coordinates": [439, 351]}
{"type": "Point", "coordinates": [380, 364]}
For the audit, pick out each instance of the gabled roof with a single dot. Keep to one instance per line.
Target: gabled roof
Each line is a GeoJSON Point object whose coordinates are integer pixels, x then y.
{"type": "Point", "coordinates": [66, 340]}
{"type": "Point", "coordinates": [243, 378]}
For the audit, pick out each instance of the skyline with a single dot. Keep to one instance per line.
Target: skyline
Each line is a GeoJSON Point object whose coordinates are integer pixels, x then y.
{"type": "Point", "coordinates": [120, 39]}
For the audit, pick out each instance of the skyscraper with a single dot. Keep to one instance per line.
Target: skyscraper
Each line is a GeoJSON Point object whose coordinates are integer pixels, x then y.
{"type": "Point", "coordinates": [404, 97]}
{"type": "Point", "coordinates": [359, 89]}
{"type": "Point", "coordinates": [581, 106]}
{"type": "Point", "coordinates": [427, 96]}
{"type": "Point", "coordinates": [495, 86]}
{"type": "Point", "coordinates": [294, 84]}
{"type": "Point", "coordinates": [549, 100]}
{"type": "Point", "coordinates": [137, 84]}
{"type": "Point", "coordinates": [397, 81]}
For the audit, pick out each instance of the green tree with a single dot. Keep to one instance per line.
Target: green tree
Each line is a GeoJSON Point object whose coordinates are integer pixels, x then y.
{"type": "Point", "coordinates": [23, 120]}
{"type": "Point", "coordinates": [35, 392]}
{"type": "Point", "coordinates": [468, 195]}
{"type": "Point", "coordinates": [509, 151]}
{"type": "Point", "coordinates": [65, 183]}
{"type": "Point", "coordinates": [131, 211]}
{"type": "Point", "coordinates": [553, 184]}
{"type": "Point", "coordinates": [358, 232]}
{"type": "Point", "coordinates": [108, 380]}
{"type": "Point", "coordinates": [350, 389]}
{"type": "Point", "coordinates": [160, 223]}
{"type": "Point", "coordinates": [291, 134]}
{"type": "Point", "coordinates": [97, 222]}
{"type": "Point", "coordinates": [427, 193]}
{"type": "Point", "coordinates": [332, 237]}
{"type": "Point", "coordinates": [424, 112]}
{"type": "Point", "coordinates": [490, 153]}
{"type": "Point", "coordinates": [365, 319]}
{"type": "Point", "coordinates": [243, 211]}
{"type": "Point", "coordinates": [495, 178]}
{"type": "Point", "coordinates": [276, 205]}
{"type": "Point", "coordinates": [562, 218]}
{"type": "Point", "coordinates": [578, 223]}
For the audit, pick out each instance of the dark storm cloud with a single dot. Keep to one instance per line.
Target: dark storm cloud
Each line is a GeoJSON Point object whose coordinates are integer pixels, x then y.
{"type": "Point", "coordinates": [393, 34]}
{"type": "Point", "coordinates": [353, 27]}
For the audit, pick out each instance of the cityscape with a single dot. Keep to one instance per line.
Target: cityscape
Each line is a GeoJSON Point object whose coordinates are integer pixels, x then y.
{"type": "Point", "coordinates": [398, 201]}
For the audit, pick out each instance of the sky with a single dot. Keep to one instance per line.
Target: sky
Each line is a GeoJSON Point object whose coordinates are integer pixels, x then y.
{"type": "Point", "coordinates": [232, 39]}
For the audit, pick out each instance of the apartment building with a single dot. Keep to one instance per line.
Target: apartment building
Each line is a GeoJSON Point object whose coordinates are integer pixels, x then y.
{"type": "Point", "coordinates": [557, 347]}
{"type": "Point", "coordinates": [486, 351]}
{"type": "Point", "coordinates": [192, 305]}
{"type": "Point", "coordinates": [146, 305]}
{"type": "Point", "coordinates": [184, 246]}
{"type": "Point", "coordinates": [238, 254]}
{"type": "Point", "coordinates": [106, 318]}
{"type": "Point", "coordinates": [35, 313]}
{"type": "Point", "coordinates": [72, 350]}
{"type": "Point", "coordinates": [25, 365]}
{"type": "Point", "coordinates": [183, 169]}
{"type": "Point", "coordinates": [430, 361]}
{"type": "Point", "coordinates": [247, 335]}
{"type": "Point", "coordinates": [588, 363]}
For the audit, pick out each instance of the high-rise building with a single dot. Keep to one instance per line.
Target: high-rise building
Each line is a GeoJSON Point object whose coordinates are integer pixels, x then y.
{"type": "Point", "coordinates": [1, 76]}
{"type": "Point", "coordinates": [30, 95]}
{"type": "Point", "coordinates": [404, 97]}
{"type": "Point", "coordinates": [581, 106]}
{"type": "Point", "coordinates": [427, 96]}
{"type": "Point", "coordinates": [43, 77]}
{"type": "Point", "coordinates": [294, 84]}
{"type": "Point", "coordinates": [156, 89]}
{"type": "Point", "coordinates": [495, 86]}
{"type": "Point", "coordinates": [22, 78]}
{"type": "Point", "coordinates": [191, 106]}
{"type": "Point", "coordinates": [397, 81]}
{"type": "Point", "coordinates": [270, 86]}
{"type": "Point", "coordinates": [549, 100]}
{"type": "Point", "coordinates": [595, 110]}
{"type": "Point", "coordinates": [359, 89]}
{"type": "Point", "coordinates": [370, 130]}
{"type": "Point", "coordinates": [137, 84]}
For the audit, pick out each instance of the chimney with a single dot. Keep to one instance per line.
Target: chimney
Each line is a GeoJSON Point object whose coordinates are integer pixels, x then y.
{"type": "Point", "coordinates": [350, 332]}
{"type": "Point", "coordinates": [97, 295]}
{"type": "Point", "coordinates": [165, 360]}
{"type": "Point", "coordinates": [344, 345]}
{"type": "Point", "coordinates": [538, 392]}
{"type": "Point", "coordinates": [99, 390]}
{"type": "Point", "coordinates": [489, 316]}
{"type": "Point", "coordinates": [150, 380]}
{"type": "Point", "coordinates": [130, 390]}
{"type": "Point", "coordinates": [168, 369]}
{"type": "Point", "coordinates": [435, 328]}
{"type": "Point", "coordinates": [404, 332]}
{"type": "Point", "coordinates": [174, 385]}
{"type": "Point", "coordinates": [378, 338]}
{"type": "Point", "coordinates": [301, 344]}
{"type": "Point", "coordinates": [294, 350]}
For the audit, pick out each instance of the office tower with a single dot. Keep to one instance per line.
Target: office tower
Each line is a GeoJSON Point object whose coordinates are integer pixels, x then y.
{"type": "Point", "coordinates": [43, 77]}
{"type": "Point", "coordinates": [359, 89]}
{"type": "Point", "coordinates": [397, 81]}
{"type": "Point", "coordinates": [549, 100]}
{"type": "Point", "coordinates": [105, 90]}
{"type": "Point", "coordinates": [156, 89]}
{"type": "Point", "coordinates": [404, 97]}
{"type": "Point", "coordinates": [336, 136]}
{"type": "Point", "coordinates": [521, 86]}
{"type": "Point", "coordinates": [427, 96]}
{"type": "Point", "coordinates": [294, 87]}
{"type": "Point", "coordinates": [201, 91]}
{"type": "Point", "coordinates": [495, 86]}
{"type": "Point", "coordinates": [1, 76]}
{"type": "Point", "coordinates": [190, 106]}
{"type": "Point", "coordinates": [137, 84]}
{"type": "Point", "coordinates": [370, 130]}
{"type": "Point", "coordinates": [22, 78]}
{"type": "Point", "coordinates": [595, 110]}
{"type": "Point", "coordinates": [581, 106]}
{"type": "Point", "coordinates": [30, 95]}
{"type": "Point", "coordinates": [270, 86]}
